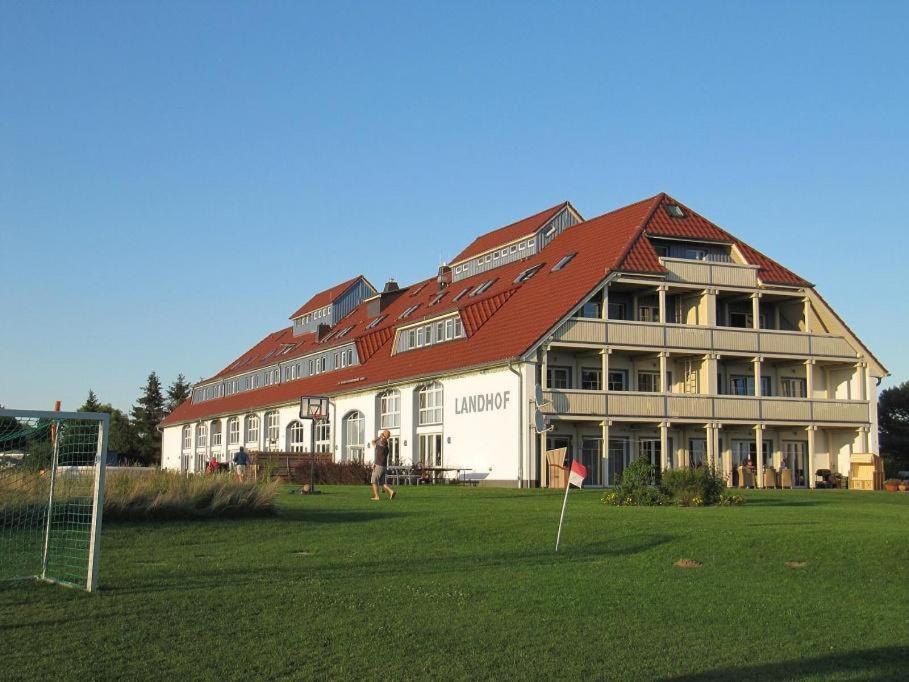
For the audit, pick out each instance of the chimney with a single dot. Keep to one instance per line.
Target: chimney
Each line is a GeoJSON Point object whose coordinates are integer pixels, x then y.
{"type": "Point", "coordinates": [376, 304]}
{"type": "Point", "coordinates": [444, 277]}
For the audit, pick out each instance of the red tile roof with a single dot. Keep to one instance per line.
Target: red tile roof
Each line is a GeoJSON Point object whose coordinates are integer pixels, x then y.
{"type": "Point", "coordinates": [503, 325]}
{"type": "Point", "coordinates": [323, 298]}
{"type": "Point", "coordinates": [642, 257]}
{"type": "Point", "coordinates": [509, 233]}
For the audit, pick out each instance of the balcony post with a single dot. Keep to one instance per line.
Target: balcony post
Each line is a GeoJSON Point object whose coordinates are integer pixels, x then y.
{"type": "Point", "coordinates": [711, 454]}
{"type": "Point", "coordinates": [604, 453]}
{"type": "Point", "coordinates": [712, 387]}
{"type": "Point", "coordinates": [664, 445]}
{"type": "Point", "coordinates": [759, 460]}
{"type": "Point", "coordinates": [604, 309]}
{"type": "Point", "coordinates": [661, 294]}
{"type": "Point", "coordinates": [758, 364]}
{"type": "Point", "coordinates": [809, 474]}
{"type": "Point", "coordinates": [604, 369]}
{"type": "Point", "coordinates": [806, 314]}
{"type": "Point", "coordinates": [544, 465]}
{"type": "Point", "coordinates": [809, 379]}
{"type": "Point", "coordinates": [664, 385]}
{"type": "Point", "coordinates": [861, 369]}
{"type": "Point", "coordinates": [756, 310]}
{"type": "Point", "coordinates": [543, 368]}
{"type": "Point", "coordinates": [710, 299]}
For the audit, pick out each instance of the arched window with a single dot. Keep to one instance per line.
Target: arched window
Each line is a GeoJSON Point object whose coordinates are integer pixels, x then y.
{"type": "Point", "coordinates": [187, 438]}
{"type": "Point", "coordinates": [323, 436]}
{"type": "Point", "coordinates": [216, 432]}
{"type": "Point", "coordinates": [295, 437]}
{"type": "Point", "coordinates": [272, 430]}
{"type": "Point", "coordinates": [429, 399]}
{"type": "Point", "coordinates": [252, 428]}
{"type": "Point", "coordinates": [201, 435]}
{"type": "Point", "coordinates": [354, 436]}
{"type": "Point", "coordinates": [390, 409]}
{"type": "Point", "coordinates": [233, 430]}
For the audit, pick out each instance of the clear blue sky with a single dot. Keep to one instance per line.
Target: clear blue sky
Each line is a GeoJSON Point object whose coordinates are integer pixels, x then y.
{"type": "Point", "coordinates": [175, 179]}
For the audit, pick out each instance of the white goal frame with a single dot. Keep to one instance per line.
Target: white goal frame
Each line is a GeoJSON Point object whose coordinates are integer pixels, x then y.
{"type": "Point", "coordinates": [100, 466]}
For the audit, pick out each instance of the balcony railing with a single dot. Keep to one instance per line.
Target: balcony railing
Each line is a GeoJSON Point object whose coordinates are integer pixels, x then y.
{"type": "Point", "coordinates": [703, 407]}
{"type": "Point", "coordinates": [706, 272]}
{"type": "Point", "coordinates": [692, 337]}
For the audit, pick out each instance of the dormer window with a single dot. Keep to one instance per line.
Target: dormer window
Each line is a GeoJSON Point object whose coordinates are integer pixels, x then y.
{"type": "Point", "coordinates": [675, 211]}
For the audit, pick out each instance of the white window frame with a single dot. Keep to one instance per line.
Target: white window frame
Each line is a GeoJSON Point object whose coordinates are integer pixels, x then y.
{"type": "Point", "coordinates": [272, 430]}
{"type": "Point", "coordinates": [215, 435]}
{"type": "Point", "coordinates": [390, 409]}
{"type": "Point", "coordinates": [323, 436]}
{"type": "Point", "coordinates": [430, 405]}
{"type": "Point", "coordinates": [354, 436]}
{"type": "Point", "coordinates": [252, 427]}
{"type": "Point", "coordinates": [187, 437]}
{"type": "Point", "coordinates": [233, 431]}
{"type": "Point", "coordinates": [296, 437]}
{"type": "Point", "coordinates": [201, 435]}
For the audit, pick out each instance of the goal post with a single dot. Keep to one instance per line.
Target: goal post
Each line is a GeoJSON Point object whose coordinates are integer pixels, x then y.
{"type": "Point", "coordinates": [52, 471]}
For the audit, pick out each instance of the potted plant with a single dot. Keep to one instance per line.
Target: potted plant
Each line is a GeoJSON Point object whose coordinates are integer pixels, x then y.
{"type": "Point", "coordinates": [892, 485]}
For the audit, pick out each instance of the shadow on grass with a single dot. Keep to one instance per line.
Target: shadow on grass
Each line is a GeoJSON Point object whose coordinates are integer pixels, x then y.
{"type": "Point", "coordinates": [757, 501]}
{"type": "Point", "coordinates": [884, 663]}
{"type": "Point", "coordinates": [395, 566]}
{"type": "Point", "coordinates": [338, 515]}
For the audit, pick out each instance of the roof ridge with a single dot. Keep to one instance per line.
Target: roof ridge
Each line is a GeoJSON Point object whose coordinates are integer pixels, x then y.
{"type": "Point", "coordinates": [656, 199]}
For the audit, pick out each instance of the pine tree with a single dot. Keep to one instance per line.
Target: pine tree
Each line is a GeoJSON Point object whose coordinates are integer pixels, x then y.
{"type": "Point", "coordinates": [91, 404]}
{"type": "Point", "coordinates": [177, 393]}
{"type": "Point", "coordinates": [147, 413]}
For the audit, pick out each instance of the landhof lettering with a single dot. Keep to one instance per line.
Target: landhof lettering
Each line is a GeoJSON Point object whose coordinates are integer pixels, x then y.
{"type": "Point", "coordinates": [482, 402]}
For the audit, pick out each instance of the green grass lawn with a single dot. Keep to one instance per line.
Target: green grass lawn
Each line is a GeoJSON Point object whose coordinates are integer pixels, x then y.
{"type": "Point", "coordinates": [448, 582]}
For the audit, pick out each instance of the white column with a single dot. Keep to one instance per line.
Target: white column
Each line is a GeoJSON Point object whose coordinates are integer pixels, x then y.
{"type": "Point", "coordinates": [809, 378]}
{"type": "Point", "coordinates": [664, 446]}
{"type": "Point", "coordinates": [809, 474]}
{"type": "Point", "coordinates": [759, 446]}
{"type": "Point", "coordinates": [543, 368]}
{"type": "Point", "coordinates": [712, 386]}
{"type": "Point", "coordinates": [604, 311]}
{"type": "Point", "coordinates": [863, 438]}
{"type": "Point", "coordinates": [862, 371]}
{"type": "Point", "coordinates": [544, 465]}
{"type": "Point", "coordinates": [806, 312]}
{"type": "Point", "coordinates": [756, 311]}
{"type": "Point", "coordinates": [664, 385]}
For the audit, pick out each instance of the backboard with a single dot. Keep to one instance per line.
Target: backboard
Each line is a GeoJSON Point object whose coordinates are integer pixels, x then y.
{"type": "Point", "coordinates": [314, 407]}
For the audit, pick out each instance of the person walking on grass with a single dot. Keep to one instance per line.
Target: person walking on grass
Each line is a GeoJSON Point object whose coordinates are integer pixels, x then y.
{"type": "Point", "coordinates": [381, 462]}
{"type": "Point", "coordinates": [241, 461]}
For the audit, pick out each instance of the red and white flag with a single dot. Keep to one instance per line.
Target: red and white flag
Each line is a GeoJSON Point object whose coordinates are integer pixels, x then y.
{"type": "Point", "coordinates": [577, 474]}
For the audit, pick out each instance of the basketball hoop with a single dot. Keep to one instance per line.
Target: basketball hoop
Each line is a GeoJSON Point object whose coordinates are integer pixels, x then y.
{"type": "Point", "coordinates": [314, 408]}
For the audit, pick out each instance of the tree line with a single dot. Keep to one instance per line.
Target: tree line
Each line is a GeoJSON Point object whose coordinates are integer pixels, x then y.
{"type": "Point", "coordinates": [135, 437]}
{"type": "Point", "coordinates": [893, 424]}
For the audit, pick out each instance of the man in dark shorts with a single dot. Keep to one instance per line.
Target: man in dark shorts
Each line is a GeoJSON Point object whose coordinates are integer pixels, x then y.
{"type": "Point", "coordinates": [381, 462]}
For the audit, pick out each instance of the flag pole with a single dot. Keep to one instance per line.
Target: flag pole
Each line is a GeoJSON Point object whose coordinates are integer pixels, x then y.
{"type": "Point", "coordinates": [562, 517]}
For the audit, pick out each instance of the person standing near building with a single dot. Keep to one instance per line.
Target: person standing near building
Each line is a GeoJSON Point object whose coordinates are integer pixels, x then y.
{"type": "Point", "coordinates": [241, 461]}
{"type": "Point", "coordinates": [379, 476]}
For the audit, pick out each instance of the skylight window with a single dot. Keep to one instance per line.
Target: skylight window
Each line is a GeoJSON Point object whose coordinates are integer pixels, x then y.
{"type": "Point", "coordinates": [527, 274]}
{"type": "Point", "coordinates": [438, 297]}
{"type": "Point", "coordinates": [418, 290]}
{"type": "Point", "coordinates": [675, 211]}
{"type": "Point", "coordinates": [565, 260]}
{"type": "Point", "coordinates": [408, 312]}
{"type": "Point", "coordinates": [550, 231]}
{"type": "Point", "coordinates": [376, 321]}
{"type": "Point", "coordinates": [460, 294]}
{"type": "Point", "coordinates": [483, 287]}
{"type": "Point", "coordinates": [343, 332]}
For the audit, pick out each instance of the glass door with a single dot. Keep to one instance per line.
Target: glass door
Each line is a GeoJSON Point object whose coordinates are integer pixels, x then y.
{"type": "Point", "coordinates": [794, 458]}
{"type": "Point", "coordinates": [591, 457]}
{"type": "Point", "coordinates": [431, 449]}
{"type": "Point", "coordinates": [697, 452]}
{"type": "Point", "coordinates": [619, 458]}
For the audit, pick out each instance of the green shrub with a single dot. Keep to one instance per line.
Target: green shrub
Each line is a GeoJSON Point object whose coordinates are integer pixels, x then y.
{"type": "Point", "coordinates": [730, 500]}
{"type": "Point", "coordinates": [693, 487]}
{"type": "Point", "coordinates": [636, 487]}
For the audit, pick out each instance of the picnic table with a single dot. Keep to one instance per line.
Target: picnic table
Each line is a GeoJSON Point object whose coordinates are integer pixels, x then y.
{"type": "Point", "coordinates": [413, 475]}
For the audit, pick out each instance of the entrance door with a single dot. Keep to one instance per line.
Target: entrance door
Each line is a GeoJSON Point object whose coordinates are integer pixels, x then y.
{"type": "Point", "coordinates": [794, 458]}
{"type": "Point", "coordinates": [431, 449]}
{"type": "Point", "coordinates": [591, 457]}
{"type": "Point", "coordinates": [394, 451]}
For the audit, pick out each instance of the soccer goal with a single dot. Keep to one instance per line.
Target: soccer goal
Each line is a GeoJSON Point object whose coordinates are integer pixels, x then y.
{"type": "Point", "coordinates": [52, 495]}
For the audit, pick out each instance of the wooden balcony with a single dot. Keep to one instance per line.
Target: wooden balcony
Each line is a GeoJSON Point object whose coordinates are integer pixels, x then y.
{"type": "Point", "coordinates": [700, 338]}
{"type": "Point", "coordinates": [707, 272]}
{"type": "Point", "coordinates": [628, 404]}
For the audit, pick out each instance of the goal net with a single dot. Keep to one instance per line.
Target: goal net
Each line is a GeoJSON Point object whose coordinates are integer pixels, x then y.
{"type": "Point", "coordinates": [51, 495]}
